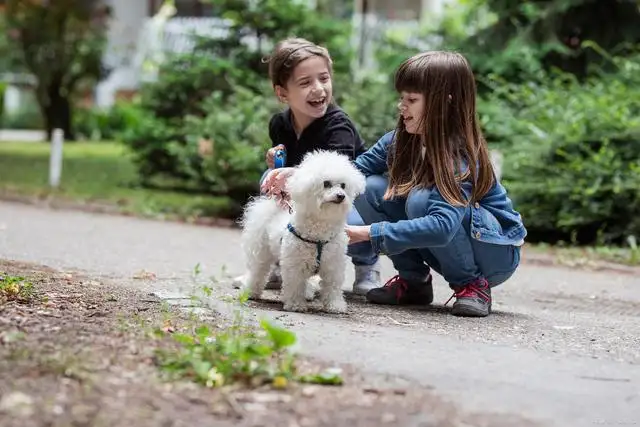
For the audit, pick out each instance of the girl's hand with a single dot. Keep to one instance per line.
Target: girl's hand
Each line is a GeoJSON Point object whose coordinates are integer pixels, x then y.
{"type": "Point", "coordinates": [358, 233]}
{"type": "Point", "coordinates": [275, 182]}
{"type": "Point", "coordinates": [271, 154]}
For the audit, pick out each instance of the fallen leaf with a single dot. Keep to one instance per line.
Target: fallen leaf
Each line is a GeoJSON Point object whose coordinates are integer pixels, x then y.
{"type": "Point", "coordinates": [144, 275]}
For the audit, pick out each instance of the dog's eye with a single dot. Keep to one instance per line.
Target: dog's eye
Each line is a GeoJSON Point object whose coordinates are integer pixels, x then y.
{"type": "Point", "coordinates": [327, 184]}
{"type": "Point", "coordinates": [343, 185]}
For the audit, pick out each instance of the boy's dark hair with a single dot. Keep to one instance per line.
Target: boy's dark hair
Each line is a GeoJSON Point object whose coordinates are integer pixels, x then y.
{"type": "Point", "coordinates": [290, 52]}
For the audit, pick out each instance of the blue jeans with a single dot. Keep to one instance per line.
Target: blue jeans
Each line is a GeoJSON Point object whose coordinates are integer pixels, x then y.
{"type": "Point", "coordinates": [460, 262]}
{"type": "Point", "coordinates": [360, 253]}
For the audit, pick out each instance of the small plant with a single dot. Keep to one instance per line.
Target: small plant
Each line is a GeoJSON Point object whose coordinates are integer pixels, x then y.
{"type": "Point", "coordinates": [238, 354]}
{"type": "Point", "coordinates": [15, 288]}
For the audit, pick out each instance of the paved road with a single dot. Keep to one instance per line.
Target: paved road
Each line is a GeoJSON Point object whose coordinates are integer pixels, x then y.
{"type": "Point", "coordinates": [562, 348]}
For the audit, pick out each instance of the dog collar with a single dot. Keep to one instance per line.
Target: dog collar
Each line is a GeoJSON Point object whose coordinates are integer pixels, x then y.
{"type": "Point", "coordinates": [319, 245]}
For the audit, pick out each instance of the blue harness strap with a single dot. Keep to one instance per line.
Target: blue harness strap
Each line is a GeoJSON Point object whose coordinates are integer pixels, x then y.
{"type": "Point", "coordinates": [319, 245]}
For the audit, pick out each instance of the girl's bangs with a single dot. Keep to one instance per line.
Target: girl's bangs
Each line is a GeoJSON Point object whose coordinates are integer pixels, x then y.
{"type": "Point", "coordinates": [410, 77]}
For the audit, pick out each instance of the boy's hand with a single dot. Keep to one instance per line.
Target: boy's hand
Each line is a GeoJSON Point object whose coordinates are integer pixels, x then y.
{"type": "Point", "coordinates": [271, 154]}
{"type": "Point", "coordinates": [276, 181]}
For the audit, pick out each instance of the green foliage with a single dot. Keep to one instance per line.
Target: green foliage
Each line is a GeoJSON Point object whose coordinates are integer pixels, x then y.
{"type": "Point", "coordinates": [27, 116]}
{"type": "Point", "coordinates": [237, 129]}
{"type": "Point", "coordinates": [236, 354]}
{"type": "Point", "coordinates": [106, 124]}
{"type": "Point", "coordinates": [371, 103]}
{"type": "Point", "coordinates": [518, 40]}
{"type": "Point", "coordinates": [272, 20]}
{"type": "Point", "coordinates": [220, 92]}
{"type": "Point", "coordinates": [15, 288]}
{"type": "Point", "coordinates": [571, 153]}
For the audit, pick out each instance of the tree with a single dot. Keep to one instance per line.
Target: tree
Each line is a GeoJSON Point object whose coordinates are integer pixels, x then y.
{"type": "Point", "coordinates": [60, 42]}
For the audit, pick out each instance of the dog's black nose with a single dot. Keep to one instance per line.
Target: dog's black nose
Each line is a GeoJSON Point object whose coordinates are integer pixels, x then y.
{"type": "Point", "coordinates": [339, 197]}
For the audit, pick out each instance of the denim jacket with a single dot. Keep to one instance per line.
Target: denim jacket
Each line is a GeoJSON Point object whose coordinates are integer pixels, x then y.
{"type": "Point", "coordinates": [493, 219]}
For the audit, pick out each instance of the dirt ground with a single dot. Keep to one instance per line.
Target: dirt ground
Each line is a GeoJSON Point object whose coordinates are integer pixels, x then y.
{"type": "Point", "coordinates": [80, 354]}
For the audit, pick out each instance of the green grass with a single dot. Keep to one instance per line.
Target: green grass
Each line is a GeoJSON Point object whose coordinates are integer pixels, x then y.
{"type": "Point", "coordinates": [97, 172]}
{"type": "Point", "coordinates": [587, 255]}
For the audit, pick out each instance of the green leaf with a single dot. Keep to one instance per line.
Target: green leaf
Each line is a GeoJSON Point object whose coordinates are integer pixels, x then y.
{"type": "Point", "coordinates": [280, 337]}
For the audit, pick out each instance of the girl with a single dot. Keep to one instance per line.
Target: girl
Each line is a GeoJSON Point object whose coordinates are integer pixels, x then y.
{"type": "Point", "coordinates": [301, 75]}
{"type": "Point", "coordinates": [432, 199]}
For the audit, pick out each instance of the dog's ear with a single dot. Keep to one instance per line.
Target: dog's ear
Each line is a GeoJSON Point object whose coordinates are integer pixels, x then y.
{"type": "Point", "coordinates": [295, 183]}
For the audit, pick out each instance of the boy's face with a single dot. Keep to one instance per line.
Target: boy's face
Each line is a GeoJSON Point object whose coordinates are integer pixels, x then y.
{"type": "Point", "coordinates": [411, 108]}
{"type": "Point", "coordinates": [309, 89]}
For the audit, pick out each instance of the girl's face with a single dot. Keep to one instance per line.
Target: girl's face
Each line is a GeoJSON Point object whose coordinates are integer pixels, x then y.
{"type": "Point", "coordinates": [309, 89]}
{"type": "Point", "coordinates": [411, 108]}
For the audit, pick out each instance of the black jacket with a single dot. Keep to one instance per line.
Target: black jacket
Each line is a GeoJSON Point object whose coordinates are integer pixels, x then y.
{"type": "Point", "coordinates": [334, 132]}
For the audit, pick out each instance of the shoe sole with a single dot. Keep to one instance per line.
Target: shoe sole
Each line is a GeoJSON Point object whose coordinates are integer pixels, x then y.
{"type": "Point", "coordinates": [468, 310]}
{"type": "Point", "coordinates": [404, 304]}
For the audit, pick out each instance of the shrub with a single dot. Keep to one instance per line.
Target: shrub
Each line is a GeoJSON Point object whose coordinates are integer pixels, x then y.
{"type": "Point", "coordinates": [571, 153]}
{"type": "Point", "coordinates": [371, 103]}
{"type": "Point", "coordinates": [237, 128]}
{"type": "Point", "coordinates": [106, 124]}
{"type": "Point", "coordinates": [184, 82]}
{"type": "Point", "coordinates": [217, 91]}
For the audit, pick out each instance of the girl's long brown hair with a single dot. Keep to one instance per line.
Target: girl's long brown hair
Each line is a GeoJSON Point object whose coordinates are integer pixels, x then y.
{"type": "Point", "coordinates": [450, 133]}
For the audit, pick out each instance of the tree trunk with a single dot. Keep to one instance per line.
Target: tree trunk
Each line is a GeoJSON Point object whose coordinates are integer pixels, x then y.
{"type": "Point", "coordinates": [57, 113]}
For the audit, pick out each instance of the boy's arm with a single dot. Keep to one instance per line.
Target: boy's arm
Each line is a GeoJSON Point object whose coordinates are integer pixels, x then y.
{"type": "Point", "coordinates": [342, 139]}
{"type": "Point", "coordinates": [374, 160]}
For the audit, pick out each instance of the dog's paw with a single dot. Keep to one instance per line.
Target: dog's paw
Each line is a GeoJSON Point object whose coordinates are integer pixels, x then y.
{"type": "Point", "coordinates": [254, 295]}
{"type": "Point", "coordinates": [310, 293]}
{"type": "Point", "coordinates": [297, 307]}
{"type": "Point", "coordinates": [338, 306]}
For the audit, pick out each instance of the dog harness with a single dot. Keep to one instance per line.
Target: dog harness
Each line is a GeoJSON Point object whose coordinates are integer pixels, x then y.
{"type": "Point", "coordinates": [319, 245]}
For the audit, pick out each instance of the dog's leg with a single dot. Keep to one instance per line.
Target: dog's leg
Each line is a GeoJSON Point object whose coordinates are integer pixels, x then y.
{"type": "Point", "coordinates": [313, 285]}
{"type": "Point", "coordinates": [294, 286]}
{"type": "Point", "coordinates": [331, 295]}
{"type": "Point", "coordinates": [259, 267]}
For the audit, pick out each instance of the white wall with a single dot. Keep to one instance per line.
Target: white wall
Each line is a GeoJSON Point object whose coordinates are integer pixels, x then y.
{"type": "Point", "coordinates": [127, 20]}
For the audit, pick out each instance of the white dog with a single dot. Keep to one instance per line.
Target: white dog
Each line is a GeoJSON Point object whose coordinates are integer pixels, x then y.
{"type": "Point", "coordinates": [310, 240]}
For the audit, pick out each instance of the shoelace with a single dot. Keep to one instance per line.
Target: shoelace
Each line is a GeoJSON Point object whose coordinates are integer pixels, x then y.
{"type": "Point", "coordinates": [400, 285]}
{"type": "Point", "coordinates": [470, 291]}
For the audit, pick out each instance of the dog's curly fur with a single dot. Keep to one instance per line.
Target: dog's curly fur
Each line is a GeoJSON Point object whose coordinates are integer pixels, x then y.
{"type": "Point", "coordinates": [321, 189]}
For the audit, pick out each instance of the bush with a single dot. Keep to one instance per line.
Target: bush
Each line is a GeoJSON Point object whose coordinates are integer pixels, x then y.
{"type": "Point", "coordinates": [106, 124]}
{"type": "Point", "coordinates": [371, 103]}
{"type": "Point", "coordinates": [220, 91]}
{"type": "Point", "coordinates": [184, 82]}
{"type": "Point", "coordinates": [571, 153]}
{"type": "Point", "coordinates": [237, 130]}
{"type": "Point", "coordinates": [26, 117]}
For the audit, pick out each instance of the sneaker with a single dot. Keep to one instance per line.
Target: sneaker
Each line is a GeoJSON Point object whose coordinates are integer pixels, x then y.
{"type": "Point", "coordinates": [473, 300]}
{"type": "Point", "coordinates": [274, 282]}
{"type": "Point", "coordinates": [367, 278]}
{"type": "Point", "coordinates": [398, 291]}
